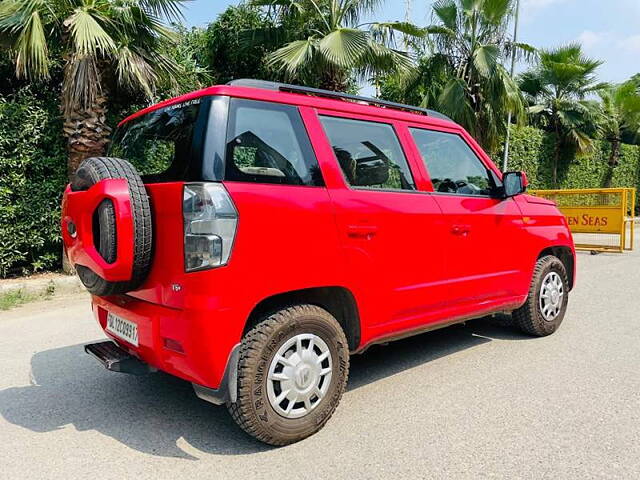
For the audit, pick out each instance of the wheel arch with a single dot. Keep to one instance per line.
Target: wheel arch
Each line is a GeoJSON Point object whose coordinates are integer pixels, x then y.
{"type": "Point", "coordinates": [338, 301]}
{"type": "Point", "coordinates": [565, 255]}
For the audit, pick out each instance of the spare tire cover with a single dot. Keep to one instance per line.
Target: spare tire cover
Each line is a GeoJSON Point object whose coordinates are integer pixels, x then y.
{"type": "Point", "coordinates": [90, 172]}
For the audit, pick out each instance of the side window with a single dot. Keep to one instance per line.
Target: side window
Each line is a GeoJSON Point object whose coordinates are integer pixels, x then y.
{"type": "Point", "coordinates": [267, 143]}
{"type": "Point", "coordinates": [369, 153]}
{"type": "Point", "coordinates": [452, 165]}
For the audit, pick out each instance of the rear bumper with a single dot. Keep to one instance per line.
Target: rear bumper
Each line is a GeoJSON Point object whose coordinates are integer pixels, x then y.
{"type": "Point", "coordinates": [193, 344]}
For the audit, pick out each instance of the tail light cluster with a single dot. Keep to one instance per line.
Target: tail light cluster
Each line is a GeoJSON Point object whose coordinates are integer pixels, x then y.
{"type": "Point", "coordinates": [210, 221]}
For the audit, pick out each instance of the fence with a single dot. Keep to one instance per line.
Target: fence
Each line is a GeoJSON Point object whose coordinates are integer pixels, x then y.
{"type": "Point", "coordinates": [601, 219]}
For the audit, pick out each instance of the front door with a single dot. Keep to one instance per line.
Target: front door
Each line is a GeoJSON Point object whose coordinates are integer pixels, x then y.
{"type": "Point", "coordinates": [484, 232]}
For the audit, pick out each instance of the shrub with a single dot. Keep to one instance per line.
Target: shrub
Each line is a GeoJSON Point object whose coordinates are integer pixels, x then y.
{"type": "Point", "coordinates": [531, 150]}
{"type": "Point", "coordinates": [32, 178]}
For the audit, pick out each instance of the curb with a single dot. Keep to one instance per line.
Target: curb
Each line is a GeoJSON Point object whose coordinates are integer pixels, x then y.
{"type": "Point", "coordinates": [45, 287]}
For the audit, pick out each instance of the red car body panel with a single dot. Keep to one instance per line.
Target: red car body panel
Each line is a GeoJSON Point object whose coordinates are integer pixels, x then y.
{"type": "Point", "coordinates": [413, 260]}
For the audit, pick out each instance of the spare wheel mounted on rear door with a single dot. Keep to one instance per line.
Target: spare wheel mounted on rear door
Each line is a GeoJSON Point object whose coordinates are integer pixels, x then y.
{"type": "Point", "coordinates": [107, 226]}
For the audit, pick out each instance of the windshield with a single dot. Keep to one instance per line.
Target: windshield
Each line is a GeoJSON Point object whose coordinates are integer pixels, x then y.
{"type": "Point", "coordinates": [160, 143]}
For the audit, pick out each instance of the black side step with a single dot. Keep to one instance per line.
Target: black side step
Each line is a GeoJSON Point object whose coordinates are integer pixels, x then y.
{"type": "Point", "coordinates": [116, 359]}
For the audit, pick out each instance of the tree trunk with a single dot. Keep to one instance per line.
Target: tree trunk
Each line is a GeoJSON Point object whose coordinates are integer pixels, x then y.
{"type": "Point", "coordinates": [554, 171]}
{"type": "Point", "coordinates": [614, 159]}
{"type": "Point", "coordinates": [334, 80]}
{"type": "Point", "coordinates": [87, 133]}
{"type": "Point", "coordinates": [556, 157]}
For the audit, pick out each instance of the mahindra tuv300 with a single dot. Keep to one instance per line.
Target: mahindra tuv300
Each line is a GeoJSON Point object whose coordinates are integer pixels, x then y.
{"type": "Point", "coordinates": [275, 230]}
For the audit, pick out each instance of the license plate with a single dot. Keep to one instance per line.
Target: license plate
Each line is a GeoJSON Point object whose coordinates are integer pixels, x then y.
{"type": "Point", "coordinates": [122, 328]}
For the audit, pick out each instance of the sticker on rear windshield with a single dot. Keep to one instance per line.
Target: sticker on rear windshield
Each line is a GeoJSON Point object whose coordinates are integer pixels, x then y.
{"type": "Point", "coordinates": [188, 103]}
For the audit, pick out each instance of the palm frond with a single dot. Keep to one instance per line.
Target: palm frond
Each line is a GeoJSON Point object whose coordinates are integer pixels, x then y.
{"type": "Point", "coordinates": [496, 11]}
{"type": "Point", "coordinates": [440, 30]}
{"type": "Point", "coordinates": [134, 71]}
{"type": "Point", "coordinates": [32, 51]}
{"type": "Point", "coordinates": [168, 9]}
{"type": "Point", "coordinates": [379, 58]}
{"type": "Point", "coordinates": [522, 51]}
{"type": "Point", "coordinates": [446, 11]}
{"type": "Point", "coordinates": [22, 27]}
{"type": "Point", "coordinates": [383, 31]}
{"type": "Point", "coordinates": [485, 59]}
{"type": "Point", "coordinates": [344, 47]}
{"type": "Point", "coordinates": [453, 102]}
{"type": "Point", "coordinates": [349, 12]}
{"type": "Point", "coordinates": [294, 56]}
{"type": "Point", "coordinates": [89, 37]}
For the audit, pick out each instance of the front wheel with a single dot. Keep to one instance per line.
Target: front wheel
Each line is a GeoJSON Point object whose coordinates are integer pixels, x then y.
{"type": "Point", "coordinates": [546, 304]}
{"type": "Point", "coordinates": [292, 372]}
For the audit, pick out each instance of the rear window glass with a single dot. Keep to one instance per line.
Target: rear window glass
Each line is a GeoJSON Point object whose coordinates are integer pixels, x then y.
{"type": "Point", "coordinates": [267, 143]}
{"type": "Point", "coordinates": [159, 144]}
{"type": "Point", "coordinates": [369, 154]}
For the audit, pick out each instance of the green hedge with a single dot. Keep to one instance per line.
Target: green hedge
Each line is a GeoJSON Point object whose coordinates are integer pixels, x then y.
{"type": "Point", "coordinates": [33, 175]}
{"type": "Point", "coordinates": [532, 150]}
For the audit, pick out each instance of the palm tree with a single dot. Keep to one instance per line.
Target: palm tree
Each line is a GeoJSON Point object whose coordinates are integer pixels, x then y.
{"type": "Point", "coordinates": [557, 90]}
{"type": "Point", "coordinates": [333, 45]}
{"type": "Point", "coordinates": [101, 44]}
{"type": "Point", "coordinates": [422, 86]}
{"type": "Point", "coordinates": [469, 39]}
{"type": "Point", "coordinates": [620, 114]}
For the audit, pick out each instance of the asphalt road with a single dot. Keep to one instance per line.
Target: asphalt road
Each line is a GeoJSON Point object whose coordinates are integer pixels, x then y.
{"type": "Point", "coordinates": [472, 401]}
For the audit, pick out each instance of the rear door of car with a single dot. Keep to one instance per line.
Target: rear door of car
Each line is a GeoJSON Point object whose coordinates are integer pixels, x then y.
{"type": "Point", "coordinates": [484, 233]}
{"type": "Point", "coordinates": [392, 234]}
{"type": "Point", "coordinates": [287, 237]}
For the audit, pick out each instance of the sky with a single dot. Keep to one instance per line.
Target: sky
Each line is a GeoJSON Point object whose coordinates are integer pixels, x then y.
{"type": "Point", "coordinates": [609, 30]}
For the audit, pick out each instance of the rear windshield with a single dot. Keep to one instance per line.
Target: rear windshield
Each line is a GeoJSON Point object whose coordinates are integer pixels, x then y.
{"type": "Point", "coordinates": [160, 143]}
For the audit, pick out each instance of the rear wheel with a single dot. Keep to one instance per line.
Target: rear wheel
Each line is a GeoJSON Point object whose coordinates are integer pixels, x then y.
{"type": "Point", "coordinates": [546, 304]}
{"type": "Point", "coordinates": [90, 172]}
{"type": "Point", "coordinates": [292, 372]}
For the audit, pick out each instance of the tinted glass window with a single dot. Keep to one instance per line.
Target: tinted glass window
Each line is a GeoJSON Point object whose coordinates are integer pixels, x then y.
{"type": "Point", "coordinates": [452, 165]}
{"type": "Point", "coordinates": [369, 154]}
{"type": "Point", "coordinates": [159, 144]}
{"type": "Point", "coordinates": [267, 143]}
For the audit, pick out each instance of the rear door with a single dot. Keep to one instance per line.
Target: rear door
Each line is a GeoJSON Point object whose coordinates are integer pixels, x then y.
{"type": "Point", "coordinates": [483, 232]}
{"type": "Point", "coordinates": [392, 233]}
{"type": "Point", "coordinates": [287, 237]}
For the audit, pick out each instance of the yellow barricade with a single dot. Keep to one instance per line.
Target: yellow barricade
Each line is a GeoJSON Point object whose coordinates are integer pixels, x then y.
{"type": "Point", "coordinates": [601, 219]}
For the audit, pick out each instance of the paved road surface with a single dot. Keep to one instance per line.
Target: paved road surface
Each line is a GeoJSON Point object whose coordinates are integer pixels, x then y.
{"type": "Point", "coordinates": [472, 401]}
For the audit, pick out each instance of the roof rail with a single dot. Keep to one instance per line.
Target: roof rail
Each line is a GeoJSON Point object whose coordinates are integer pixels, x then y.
{"type": "Point", "coordinates": [284, 87]}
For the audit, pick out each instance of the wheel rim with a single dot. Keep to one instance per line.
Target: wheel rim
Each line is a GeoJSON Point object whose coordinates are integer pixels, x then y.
{"type": "Point", "coordinates": [551, 296]}
{"type": "Point", "coordinates": [299, 375]}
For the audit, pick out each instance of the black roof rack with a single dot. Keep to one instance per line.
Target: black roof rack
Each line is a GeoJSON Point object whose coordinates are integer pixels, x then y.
{"type": "Point", "coordinates": [284, 87]}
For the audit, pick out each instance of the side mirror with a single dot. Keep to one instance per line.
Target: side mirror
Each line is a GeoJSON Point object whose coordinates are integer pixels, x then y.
{"type": "Point", "coordinates": [514, 183]}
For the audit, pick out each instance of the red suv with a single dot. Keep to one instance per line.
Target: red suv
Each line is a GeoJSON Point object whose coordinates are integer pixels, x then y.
{"type": "Point", "coordinates": [274, 230]}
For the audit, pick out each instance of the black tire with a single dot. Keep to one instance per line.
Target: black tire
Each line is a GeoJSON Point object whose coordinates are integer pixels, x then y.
{"type": "Point", "coordinates": [90, 172]}
{"type": "Point", "coordinates": [529, 318]}
{"type": "Point", "coordinates": [253, 411]}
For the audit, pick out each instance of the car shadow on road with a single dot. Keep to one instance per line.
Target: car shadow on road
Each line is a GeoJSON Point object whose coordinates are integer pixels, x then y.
{"type": "Point", "coordinates": [383, 361]}
{"type": "Point", "coordinates": [156, 414]}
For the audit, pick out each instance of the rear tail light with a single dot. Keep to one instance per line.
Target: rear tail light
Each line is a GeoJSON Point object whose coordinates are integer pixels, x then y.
{"type": "Point", "coordinates": [210, 221]}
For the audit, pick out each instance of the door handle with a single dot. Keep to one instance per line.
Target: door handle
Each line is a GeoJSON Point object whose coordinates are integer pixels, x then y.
{"type": "Point", "coordinates": [366, 232]}
{"type": "Point", "coordinates": [462, 230]}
